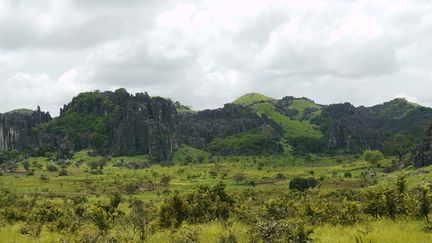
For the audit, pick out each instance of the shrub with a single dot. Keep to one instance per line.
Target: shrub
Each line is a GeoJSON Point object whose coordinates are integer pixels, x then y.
{"type": "Point", "coordinates": [373, 156]}
{"type": "Point", "coordinates": [51, 168]}
{"type": "Point", "coordinates": [280, 176]}
{"type": "Point", "coordinates": [44, 178]}
{"type": "Point", "coordinates": [187, 234]}
{"type": "Point", "coordinates": [281, 231]}
{"type": "Point", "coordinates": [30, 173]}
{"type": "Point", "coordinates": [302, 184]}
{"type": "Point", "coordinates": [63, 172]}
{"type": "Point", "coordinates": [131, 188]}
{"type": "Point", "coordinates": [239, 177]}
{"type": "Point", "coordinates": [347, 174]}
{"type": "Point", "coordinates": [165, 180]}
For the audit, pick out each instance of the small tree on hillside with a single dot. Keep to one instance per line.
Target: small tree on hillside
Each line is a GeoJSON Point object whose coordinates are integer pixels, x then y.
{"type": "Point", "coordinates": [399, 146]}
{"type": "Point", "coordinates": [373, 156]}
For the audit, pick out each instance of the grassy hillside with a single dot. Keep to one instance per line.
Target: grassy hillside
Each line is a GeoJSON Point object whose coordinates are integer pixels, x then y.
{"type": "Point", "coordinates": [302, 104]}
{"type": "Point", "coordinates": [292, 128]}
{"type": "Point", "coordinates": [188, 154]}
{"type": "Point", "coordinates": [251, 98]}
{"type": "Point", "coordinates": [255, 142]}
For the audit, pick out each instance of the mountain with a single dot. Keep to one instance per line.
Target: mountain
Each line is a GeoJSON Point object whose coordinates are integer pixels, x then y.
{"type": "Point", "coordinates": [251, 98]}
{"type": "Point", "coordinates": [119, 123]}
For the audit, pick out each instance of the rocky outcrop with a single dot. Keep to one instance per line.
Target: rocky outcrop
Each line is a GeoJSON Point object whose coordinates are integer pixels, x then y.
{"type": "Point", "coordinates": [16, 128]}
{"type": "Point", "coordinates": [143, 125]}
{"type": "Point", "coordinates": [355, 129]}
{"type": "Point", "coordinates": [198, 129]}
{"type": "Point", "coordinates": [423, 152]}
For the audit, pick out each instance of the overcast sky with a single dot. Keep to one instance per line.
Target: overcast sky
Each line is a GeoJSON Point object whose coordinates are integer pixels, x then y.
{"type": "Point", "coordinates": [206, 53]}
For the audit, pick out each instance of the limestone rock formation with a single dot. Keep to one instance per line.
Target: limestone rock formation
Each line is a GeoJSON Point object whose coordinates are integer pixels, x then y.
{"type": "Point", "coordinates": [16, 126]}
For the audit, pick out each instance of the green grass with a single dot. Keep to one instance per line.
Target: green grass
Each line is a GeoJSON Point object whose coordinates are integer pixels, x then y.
{"type": "Point", "coordinates": [292, 128]}
{"type": "Point", "coordinates": [251, 98]}
{"type": "Point", "coordinates": [302, 104]}
{"type": "Point", "coordinates": [382, 231]}
{"type": "Point", "coordinates": [185, 177]}
{"type": "Point", "coordinates": [187, 153]}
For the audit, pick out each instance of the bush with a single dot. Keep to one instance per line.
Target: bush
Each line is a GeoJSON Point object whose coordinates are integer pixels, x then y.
{"type": "Point", "coordinates": [63, 172]}
{"type": "Point", "coordinates": [30, 173]}
{"type": "Point", "coordinates": [131, 188]}
{"type": "Point", "coordinates": [44, 178]}
{"type": "Point", "coordinates": [373, 156]}
{"type": "Point", "coordinates": [187, 234]}
{"type": "Point", "coordinates": [51, 168]}
{"type": "Point", "coordinates": [280, 176]}
{"type": "Point", "coordinates": [347, 174]}
{"type": "Point", "coordinates": [239, 177]}
{"type": "Point", "coordinates": [302, 184]}
{"type": "Point", "coordinates": [165, 180]}
{"type": "Point", "coordinates": [281, 231]}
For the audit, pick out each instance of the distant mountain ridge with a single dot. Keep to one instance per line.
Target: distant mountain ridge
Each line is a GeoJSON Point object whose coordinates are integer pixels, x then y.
{"type": "Point", "coordinates": [120, 123]}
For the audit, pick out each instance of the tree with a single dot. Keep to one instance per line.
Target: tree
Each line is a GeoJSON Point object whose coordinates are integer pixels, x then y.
{"type": "Point", "coordinates": [141, 216]}
{"type": "Point", "coordinates": [26, 165]}
{"type": "Point", "coordinates": [165, 180]}
{"type": "Point", "coordinates": [399, 146]}
{"type": "Point", "coordinates": [173, 212]}
{"type": "Point", "coordinates": [301, 184]}
{"type": "Point", "coordinates": [97, 165]}
{"type": "Point", "coordinates": [424, 203]}
{"type": "Point", "coordinates": [373, 156]}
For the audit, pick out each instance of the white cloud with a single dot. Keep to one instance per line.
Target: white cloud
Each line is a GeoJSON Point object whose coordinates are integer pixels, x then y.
{"type": "Point", "coordinates": [206, 53]}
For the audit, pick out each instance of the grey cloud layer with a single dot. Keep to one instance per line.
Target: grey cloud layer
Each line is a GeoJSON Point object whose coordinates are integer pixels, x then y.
{"type": "Point", "coordinates": [206, 53]}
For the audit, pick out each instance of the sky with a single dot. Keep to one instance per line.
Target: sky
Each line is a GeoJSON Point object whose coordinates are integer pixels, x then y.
{"type": "Point", "coordinates": [207, 53]}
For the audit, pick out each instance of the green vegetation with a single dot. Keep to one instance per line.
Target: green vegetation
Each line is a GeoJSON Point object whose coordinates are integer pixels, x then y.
{"type": "Point", "coordinates": [216, 199]}
{"type": "Point", "coordinates": [255, 142]}
{"type": "Point", "coordinates": [292, 128]}
{"type": "Point", "coordinates": [395, 109]}
{"type": "Point", "coordinates": [373, 156]}
{"type": "Point", "coordinates": [251, 98]}
{"type": "Point", "coordinates": [302, 104]}
{"type": "Point", "coordinates": [188, 154]}
{"type": "Point", "coordinates": [254, 186]}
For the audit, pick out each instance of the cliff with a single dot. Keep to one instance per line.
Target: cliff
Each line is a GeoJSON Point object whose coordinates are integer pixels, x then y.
{"type": "Point", "coordinates": [15, 128]}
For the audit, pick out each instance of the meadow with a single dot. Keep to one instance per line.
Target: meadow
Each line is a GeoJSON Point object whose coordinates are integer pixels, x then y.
{"type": "Point", "coordinates": [201, 198]}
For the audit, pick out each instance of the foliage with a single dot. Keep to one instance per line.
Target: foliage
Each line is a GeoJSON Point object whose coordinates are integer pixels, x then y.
{"type": "Point", "coordinates": [399, 145]}
{"type": "Point", "coordinates": [305, 144]}
{"type": "Point", "coordinates": [373, 156]}
{"type": "Point", "coordinates": [302, 184]}
{"type": "Point", "coordinates": [255, 142]}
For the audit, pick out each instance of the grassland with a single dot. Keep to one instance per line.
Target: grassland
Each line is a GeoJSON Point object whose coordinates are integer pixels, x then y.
{"type": "Point", "coordinates": [292, 128]}
{"type": "Point", "coordinates": [267, 177]}
{"type": "Point", "coordinates": [251, 98]}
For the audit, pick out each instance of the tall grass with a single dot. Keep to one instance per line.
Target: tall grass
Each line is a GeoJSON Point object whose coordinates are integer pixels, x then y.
{"type": "Point", "coordinates": [382, 231]}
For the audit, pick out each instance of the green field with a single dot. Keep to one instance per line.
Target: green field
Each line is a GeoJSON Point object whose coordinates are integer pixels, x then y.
{"type": "Point", "coordinates": [335, 210]}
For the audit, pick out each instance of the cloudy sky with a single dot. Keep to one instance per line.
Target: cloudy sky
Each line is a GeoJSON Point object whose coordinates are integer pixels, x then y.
{"type": "Point", "coordinates": [206, 53]}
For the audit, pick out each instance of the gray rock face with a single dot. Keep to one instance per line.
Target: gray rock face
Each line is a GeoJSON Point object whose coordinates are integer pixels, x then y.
{"type": "Point", "coordinates": [423, 152]}
{"type": "Point", "coordinates": [357, 128]}
{"type": "Point", "coordinates": [15, 128]}
{"type": "Point", "coordinates": [198, 129]}
{"type": "Point", "coordinates": [144, 125]}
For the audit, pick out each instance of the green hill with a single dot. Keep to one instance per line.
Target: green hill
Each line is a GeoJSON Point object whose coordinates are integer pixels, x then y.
{"type": "Point", "coordinates": [292, 128]}
{"type": "Point", "coordinates": [251, 98]}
